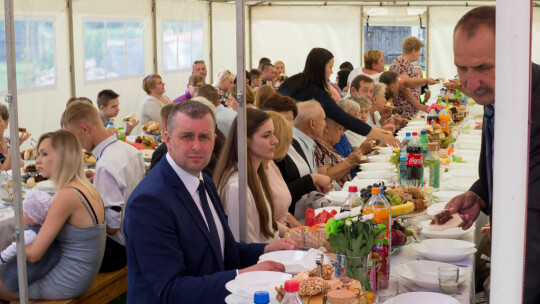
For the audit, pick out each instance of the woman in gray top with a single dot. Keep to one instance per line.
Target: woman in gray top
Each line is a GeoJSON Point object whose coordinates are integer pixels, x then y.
{"type": "Point", "coordinates": [75, 219]}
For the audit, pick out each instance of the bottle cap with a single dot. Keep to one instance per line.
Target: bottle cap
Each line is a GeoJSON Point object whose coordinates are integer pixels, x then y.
{"type": "Point", "coordinates": [408, 134]}
{"type": "Point", "coordinates": [423, 132]}
{"type": "Point", "coordinates": [414, 133]}
{"type": "Point", "coordinates": [261, 297]}
{"type": "Point", "coordinates": [375, 190]}
{"type": "Point", "coordinates": [353, 189]}
{"type": "Point", "coordinates": [111, 119]}
{"type": "Point", "coordinates": [291, 286]}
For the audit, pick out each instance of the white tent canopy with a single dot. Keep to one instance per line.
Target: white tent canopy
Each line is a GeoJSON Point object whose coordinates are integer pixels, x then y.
{"type": "Point", "coordinates": [284, 31]}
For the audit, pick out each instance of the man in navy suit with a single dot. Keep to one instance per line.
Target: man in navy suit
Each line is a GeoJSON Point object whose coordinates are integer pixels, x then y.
{"type": "Point", "coordinates": [179, 246]}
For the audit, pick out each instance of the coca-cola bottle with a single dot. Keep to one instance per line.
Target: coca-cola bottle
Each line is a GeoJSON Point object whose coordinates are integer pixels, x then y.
{"type": "Point", "coordinates": [415, 161]}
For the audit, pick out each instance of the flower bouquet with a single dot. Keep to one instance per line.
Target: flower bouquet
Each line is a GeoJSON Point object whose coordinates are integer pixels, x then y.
{"type": "Point", "coordinates": [353, 234]}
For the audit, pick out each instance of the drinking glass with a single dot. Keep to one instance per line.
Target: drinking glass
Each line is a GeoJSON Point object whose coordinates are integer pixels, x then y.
{"type": "Point", "coordinates": [387, 288]}
{"type": "Point", "coordinates": [448, 279]}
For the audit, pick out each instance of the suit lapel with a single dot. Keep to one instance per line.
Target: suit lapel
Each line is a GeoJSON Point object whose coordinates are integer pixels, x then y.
{"type": "Point", "coordinates": [298, 148]}
{"type": "Point", "coordinates": [184, 197]}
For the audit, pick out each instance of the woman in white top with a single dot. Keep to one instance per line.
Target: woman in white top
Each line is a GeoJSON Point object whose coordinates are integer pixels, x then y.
{"type": "Point", "coordinates": [154, 86]}
{"type": "Point", "coordinates": [261, 144]}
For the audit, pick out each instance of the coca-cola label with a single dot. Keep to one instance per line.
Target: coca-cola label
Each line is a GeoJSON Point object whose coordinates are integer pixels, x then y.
{"type": "Point", "coordinates": [415, 159]}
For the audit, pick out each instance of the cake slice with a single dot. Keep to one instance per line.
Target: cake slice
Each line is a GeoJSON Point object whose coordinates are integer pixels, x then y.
{"type": "Point", "coordinates": [445, 220]}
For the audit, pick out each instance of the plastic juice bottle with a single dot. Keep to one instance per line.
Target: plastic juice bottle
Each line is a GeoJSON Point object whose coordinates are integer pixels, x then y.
{"type": "Point", "coordinates": [353, 200]}
{"type": "Point", "coordinates": [403, 158]}
{"type": "Point", "coordinates": [424, 141]}
{"type": "Point", "coordinates": [432, 167]}
{"type": "Point", "coordinates": [382, 214]}
{"type": "Point", "coordinates": [291, 293]}
{"type": "Point", "coordinates": [111, 129]}
{"type": "Point", "coordinates": [444, 118]}
{"type": "Point", "coordinates": [121, 134]}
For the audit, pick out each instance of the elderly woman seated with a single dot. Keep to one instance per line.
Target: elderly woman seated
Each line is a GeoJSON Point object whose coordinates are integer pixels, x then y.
{"type": "Point", "coordinates": [328, 159]}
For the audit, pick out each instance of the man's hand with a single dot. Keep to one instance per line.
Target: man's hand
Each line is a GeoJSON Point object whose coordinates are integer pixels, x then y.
{"type": "Point", "coordinates": [384, 136]}
{"type": "Point", "coordinates": [322, 182]}
{"type": "Point", "coordinates": [469, 205]}
{"type": "Point", "coordinates": [130, 126]}
{"type": "Point", "coordinates": [452, 84]}
{"type": "Point", "coordinates": [281, 244]}
{"type": "Point", "coordinates": [355, 157]}
{"type": "Point", "coordinates": [89, 175]}
{"type": "Point", "coordinates": [264, 266]}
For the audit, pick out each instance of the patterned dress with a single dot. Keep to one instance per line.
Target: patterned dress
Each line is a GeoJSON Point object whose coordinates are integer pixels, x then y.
{"type": "Point", "coordinates": [401, 65]}
{"type": "Point", "coordinates": [326, 156]}
{"type": "Point", "coordinates": [223, 97]}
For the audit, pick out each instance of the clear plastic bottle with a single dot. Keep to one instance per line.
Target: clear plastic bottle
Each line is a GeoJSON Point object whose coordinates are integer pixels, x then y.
{"type": "Point", "coordinates": [291, 293]}
{"type": "Point", "coordinates": [403, 158]}
{"type": "Point", "coordinates": [432, 167]}
{"type": "Point", "coordinates": [111, 129]}
{"type": "Point", "coordinates": [353, 200]}
{"type": "Point", "coordinates": [382, 214]}
{"type": "Point", "coordinates": [424, 141]}
{"type": "Point", "coordinates": [432, 117]}
{"type": "Point", "coordinates": [261, 297]}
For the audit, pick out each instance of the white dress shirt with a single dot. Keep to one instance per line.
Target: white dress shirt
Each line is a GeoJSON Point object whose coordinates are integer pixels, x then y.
{"type": "Point", "coordinates": [192, 184]}
{"type": "Point", "coordinates": [308, 146]}
{"type": "Point", "coordinates": [119, 169]}
{"type": "Point", "coordinates": [299, 161]}
{"type": "Point", "coordinates": [224, 118]}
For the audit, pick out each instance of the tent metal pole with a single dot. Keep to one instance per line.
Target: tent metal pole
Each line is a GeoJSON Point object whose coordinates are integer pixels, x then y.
{"type": "Point", "coordinates": [241, 117]}
{"type": "Point", "coordinates": [511, 150]}
{"type": "Point", "coordinates": [72, 85]}
{"type": "Point", "coordinates": [11, 98]}
{"type": "Point", "coordinates": [210, 43]}
{"type": "Point", "coordinates": [250, 37]}
{"type": "Point", "coordinates": [154, 38]}
{"type": "Point", "coordinates": [361, 55]}
{"type": "Point", "coordinates": [428, 42]}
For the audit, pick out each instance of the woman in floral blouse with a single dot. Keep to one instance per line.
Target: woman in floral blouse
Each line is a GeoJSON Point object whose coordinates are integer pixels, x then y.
{"type": "Point", "coordinates": [407, 101]}
{"type": "Point", "coordinates": [224, 82]}
{"type": "Point", "coordinates": [328, 159]}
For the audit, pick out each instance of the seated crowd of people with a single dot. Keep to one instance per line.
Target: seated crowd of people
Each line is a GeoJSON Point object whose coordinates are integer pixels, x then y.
{"type": "Point", "coordinates": [177, 230]}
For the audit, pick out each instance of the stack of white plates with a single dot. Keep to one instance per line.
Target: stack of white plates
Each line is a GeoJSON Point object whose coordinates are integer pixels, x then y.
{"type": "Point", "coordinates": [425, 273]}
{"type": "Point", "coordinates": [378, 166]}
{"type": "Point", "coordinates": [451, 233]}
{"type": "Point", "coordinates": [463, 173]}
{"type": "Point", "coordinates": [445, 250]}
{"type": "Point", "coordinates": [376, 174]}
{"type": "Point", "coordinates": [381, 158]}
{"type": "Point", "coordinates": [244, 286]}
{"type": "Point", "coordinates": [457, 184]}
{"type": "Point", "coordinates": [422, 298]}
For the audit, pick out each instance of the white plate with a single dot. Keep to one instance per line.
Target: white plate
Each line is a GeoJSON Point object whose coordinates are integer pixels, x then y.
{"type": "Point", "coordinates": [453, 184]}
{"type": "Point", "coordinates": [377, 166]}
{"type": "Point", "coordinates": [459, 166]}
{"type": "Point", "coordinates": [381, 158]}
{"type": "Point", "coordinates": [435, 208]}
{"type": "Point", "coordinates": [425, 273]}
{"type": "Point", "coordinates": [448, 258]}
{"type": "Point", "coordinates": [446, 246]}
{"type": "Point", "coordinates": [246, 284]}
{"type": "Point", "coordinates": [337, 196]}
{"type": "Point", "coordinates": [463, 173]}
{"type": "Point", "coordinates": [422, 298]}
{"type": "Point", "coordinates": [452, 233]}
{"type": "Point", "coordinates": [445, 196]}
{"type": "Point", "coordinates": [374, 174]}
{"type": "Point", "coordinates": [328, 209]}
{"type": "Point", "coordinates": [237, 299]}
{"type": "Point", "coordinates": [292, 259]}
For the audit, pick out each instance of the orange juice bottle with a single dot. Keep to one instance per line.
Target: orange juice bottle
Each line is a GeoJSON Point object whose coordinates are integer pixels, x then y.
{"type": "Point", "coordinates": [444, 118]}
{"type": "Point", "coordinates": [382, 214]}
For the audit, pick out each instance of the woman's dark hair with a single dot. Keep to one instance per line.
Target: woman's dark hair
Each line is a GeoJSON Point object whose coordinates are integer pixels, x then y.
{"type": "Point", "coordinates": [343, 76]}
{"type": "Point", "coordinates": [279, 103]}
{"type": "Point", "coordinates": [256, 177]}
{"type": "Point", "coordinates": [314, 73]}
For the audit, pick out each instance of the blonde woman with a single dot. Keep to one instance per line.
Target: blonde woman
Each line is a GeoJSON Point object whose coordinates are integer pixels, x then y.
{"type": "Point", "coordinates": [261, 144]}
{"type": "Point", "coordinates": [75, 219]}
{"type": "Point", "coordinates": [280, 192]}
{"type": "Point", "coordinates": [249, 97]}
{"type": "Point", "coordinates": [154, 86]}
{"type": "Point", "coordinates": [224, 82]}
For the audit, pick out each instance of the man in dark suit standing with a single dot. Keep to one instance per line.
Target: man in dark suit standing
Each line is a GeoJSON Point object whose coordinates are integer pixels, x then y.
{"type": "Point", "coordinates": [474, 56]}
{"type": "Point", "coordinates": [179, 246]}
